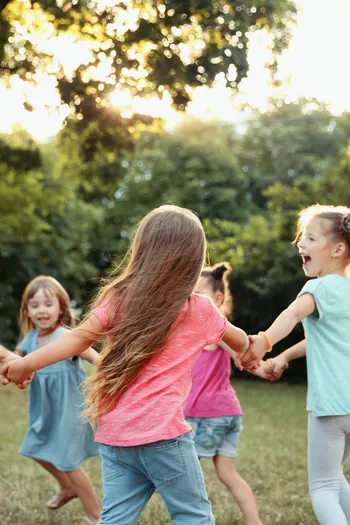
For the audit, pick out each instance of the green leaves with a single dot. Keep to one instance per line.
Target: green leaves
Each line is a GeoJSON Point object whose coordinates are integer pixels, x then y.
{"type": "Point", "coordinates": [144, 46]}
{"type": "Point", "coordinates": [70, 208]}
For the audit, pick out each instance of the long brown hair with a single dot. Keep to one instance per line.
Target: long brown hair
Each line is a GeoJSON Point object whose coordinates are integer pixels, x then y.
{"type": "Point", "coordinates": [218, 277]}
{"type": "Point", "coordinates": [145, 300]}
{"type": "Point", "coordinates": [50, 286]}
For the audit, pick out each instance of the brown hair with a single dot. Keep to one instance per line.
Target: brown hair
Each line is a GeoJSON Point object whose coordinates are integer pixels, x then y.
{"type": "Point", "coordinates": [338, 217]}
{"type": "Point", "coordinates": [145, 300]}
{"type": "Point", "coordinates": [50, 286]}
{"type": "Point", "coordinates": [218, 276]}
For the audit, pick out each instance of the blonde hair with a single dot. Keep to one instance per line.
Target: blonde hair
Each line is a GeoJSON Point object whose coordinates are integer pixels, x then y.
{"type": "Point", "coordinates": [338, 217]}
{"type": "Point", "coordinates": [161, 270]}
{"type": "Point", "coordinates": [51, 286]}
{"type": "Point", "coordinates": [218, 276]}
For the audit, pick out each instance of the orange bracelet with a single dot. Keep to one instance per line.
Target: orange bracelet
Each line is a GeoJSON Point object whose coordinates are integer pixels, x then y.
{"type": "Point", "coordinates": [268, 341]}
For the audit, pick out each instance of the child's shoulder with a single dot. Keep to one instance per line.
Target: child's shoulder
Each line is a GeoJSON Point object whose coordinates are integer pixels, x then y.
{"type": "Point", "coordinates": [203, 306]}
{"type": "Point", "coordinates": [330, 281]}
{"type": "Point", "coordinates": [60, 330]}
{"type": "Point", "coordinates": [29, 341]}
{"type": "Point", "coordinates": [202, 302]}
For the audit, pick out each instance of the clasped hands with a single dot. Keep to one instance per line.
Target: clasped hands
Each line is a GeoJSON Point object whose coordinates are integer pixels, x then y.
{"type": "Point", "coordinates": [12, 370]}
{"type": "Point", "coordinates": [251, 359]}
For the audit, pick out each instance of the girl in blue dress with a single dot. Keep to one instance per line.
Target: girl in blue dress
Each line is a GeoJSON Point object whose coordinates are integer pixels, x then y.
{"type": "Point", "coordinates": [57, 439]}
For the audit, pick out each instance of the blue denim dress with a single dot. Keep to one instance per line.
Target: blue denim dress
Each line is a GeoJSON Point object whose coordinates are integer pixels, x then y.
{"type": "Point", "coordinates": [56, 433]}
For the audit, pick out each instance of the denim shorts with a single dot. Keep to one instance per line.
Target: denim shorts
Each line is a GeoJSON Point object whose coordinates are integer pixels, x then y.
{"type": "Point", "coordinates": [216, 435]}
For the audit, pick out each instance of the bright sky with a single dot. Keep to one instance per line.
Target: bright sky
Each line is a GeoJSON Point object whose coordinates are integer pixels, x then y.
{"type": "Point", "coordinates": [315, 65]}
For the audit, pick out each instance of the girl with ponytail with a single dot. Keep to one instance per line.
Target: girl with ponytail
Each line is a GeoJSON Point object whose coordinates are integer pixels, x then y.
{"type": "Point", "coordinates": [212, 408]}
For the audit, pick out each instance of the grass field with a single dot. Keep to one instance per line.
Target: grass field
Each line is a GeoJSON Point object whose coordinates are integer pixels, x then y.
{"type": "Point", "coordinates": [272, 459]}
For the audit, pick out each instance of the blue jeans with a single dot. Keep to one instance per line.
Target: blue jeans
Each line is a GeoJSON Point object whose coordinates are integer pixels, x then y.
{"type": "Point", "coordinates": [131, 475]}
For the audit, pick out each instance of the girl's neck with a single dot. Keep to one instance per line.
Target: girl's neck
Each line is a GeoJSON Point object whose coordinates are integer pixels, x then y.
{"type": "Point", "coordinates": [338, 270]}
{"type": "Point", "coordinates": [44, 335]}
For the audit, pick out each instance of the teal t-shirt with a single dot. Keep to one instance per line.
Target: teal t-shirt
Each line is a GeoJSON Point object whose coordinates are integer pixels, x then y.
{"type": "Point", "coordinates": [327, 332]}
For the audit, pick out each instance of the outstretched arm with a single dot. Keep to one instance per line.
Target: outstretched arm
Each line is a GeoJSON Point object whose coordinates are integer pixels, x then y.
{"type": "Point", "coordinates": [68, 345]}
{"type": "Point", "coordinates": [302, 307]}
{"type": "Point", "coordinates": [236, 339]}
{"type": "Point", "coordinates": [90, 355]}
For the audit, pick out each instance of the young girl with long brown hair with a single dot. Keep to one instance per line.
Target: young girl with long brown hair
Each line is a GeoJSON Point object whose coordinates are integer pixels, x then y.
{"type": "Point", "coordinates": [154, 328]}
{"type": "Point", "coordinates": [212, 408]}
{"type": "Point", "coordinates": [56, 438]}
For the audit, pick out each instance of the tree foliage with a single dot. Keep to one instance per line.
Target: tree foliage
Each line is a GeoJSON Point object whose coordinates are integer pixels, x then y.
{"type": "Point", "coordinates": [72, 206]}
{"type": "Point", "coordinates": [149, 47]}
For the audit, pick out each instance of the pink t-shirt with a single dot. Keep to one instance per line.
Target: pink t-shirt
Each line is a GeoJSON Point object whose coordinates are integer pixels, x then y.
{"type": "Point", "coordinates": [152, 407]}
{"type": "Point", "coordinates": [212, 394]}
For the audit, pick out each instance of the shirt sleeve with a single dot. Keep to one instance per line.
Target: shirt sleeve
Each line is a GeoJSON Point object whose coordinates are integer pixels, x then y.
{"type": "Point", "coordinates": [315, 288]}
{"type": "Point", "coordinates": [102, 312]}
{"type": "Point", "coordinates": [24, 345]}
{"type": "Point", "coordinates": [216, 324]}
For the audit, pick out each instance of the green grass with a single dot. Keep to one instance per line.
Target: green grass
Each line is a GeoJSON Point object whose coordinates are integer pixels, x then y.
{"type": "Point", "coordinates": [272, 459]}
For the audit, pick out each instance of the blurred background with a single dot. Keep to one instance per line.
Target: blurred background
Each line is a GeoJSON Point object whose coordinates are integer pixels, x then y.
{"type": "Point", "coordinates": [237, 110]}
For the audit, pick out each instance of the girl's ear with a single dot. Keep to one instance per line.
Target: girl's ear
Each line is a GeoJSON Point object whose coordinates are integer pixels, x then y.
{"type": "Point", "coordinates": [218, 298]}
{"type": "Point", "coordinates": [339, 249]}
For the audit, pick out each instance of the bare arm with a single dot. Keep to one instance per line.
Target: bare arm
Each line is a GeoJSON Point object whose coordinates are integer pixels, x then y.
{"type": "Point", "coordinates": [302, 307]}
{"type": "Point", "coordinates": [68, 345]}
{"type": "Point", "coordinates": [294, 352]}
{"type": "Point", "coordinates": [236, 339]}
{"type": "Point", "coordinates": [90, 355]}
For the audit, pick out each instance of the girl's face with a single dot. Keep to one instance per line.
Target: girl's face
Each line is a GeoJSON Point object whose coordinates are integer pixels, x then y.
{"type": "Point", "coordinates": [44, 310]}
{"type": "Point", "coordinates": [317, 249]}
{"type": "Point", "coordinates": [204, 287]}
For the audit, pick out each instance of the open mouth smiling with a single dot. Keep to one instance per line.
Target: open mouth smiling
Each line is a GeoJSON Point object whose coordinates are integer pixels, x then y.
{"type": "Point", "coordinates": [305, 259]}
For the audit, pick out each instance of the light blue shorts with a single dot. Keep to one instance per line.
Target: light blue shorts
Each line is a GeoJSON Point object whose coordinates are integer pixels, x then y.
{"type": "Point", "coordinates": [216, 435]}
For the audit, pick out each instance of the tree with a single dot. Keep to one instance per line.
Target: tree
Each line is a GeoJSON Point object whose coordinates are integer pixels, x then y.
{"type": "Point", "coordinates": [149, 47]}
{"type": "Point", "coordinates": [45, 226]}
{"type": "Point", "coordinates": [194, 166]}
{"type": "Point", "coordinates": [299, 140]}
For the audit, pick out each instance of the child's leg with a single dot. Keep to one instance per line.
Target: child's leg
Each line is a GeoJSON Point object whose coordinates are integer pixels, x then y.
{"type": "Point", "coordinates": [240, 490]}
{"type": "Point", "coordinates": [126, 487]}
{"type": "Point", "coordinates": [327, 445]}
{"type": "Point", "coordinates": [85, 492]}
{"type": "Point", "coordinates": [67, 491]}
{"type": "Point", "coordinates": [344, 495]}
{"type": "Point", "coordinates": [174, 468]}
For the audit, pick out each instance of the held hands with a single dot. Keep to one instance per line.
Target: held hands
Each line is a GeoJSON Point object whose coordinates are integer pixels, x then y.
{"type": "Point", "coordinates": [275, 367]}
{"type": "Point", "coordinates": [271, 369]}
{"type": "Point", "coordinates": [14, 369]}
{"type": "Point", "coordinates": [251, 358]}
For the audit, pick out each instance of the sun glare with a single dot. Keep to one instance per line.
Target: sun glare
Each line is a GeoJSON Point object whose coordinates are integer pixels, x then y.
{"type": "Point", "coordinates": [313, 66]}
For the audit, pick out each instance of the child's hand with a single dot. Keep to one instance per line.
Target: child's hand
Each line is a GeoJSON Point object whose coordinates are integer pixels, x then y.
{"type": "Point", "coordinates": [255, 352]}
{"type": "Point", "coordinates": [5, 380]}
{"type": "Point", "coordinates": [260, 371]}
{"type": "Point", "coordinates": [275, 367]}
{"type": "Point", "coordinates": [239, 357]}
{"type": "Point", "coordinates": [238, 362]}
{"type": "Point", "coordinates": [14, 369]}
